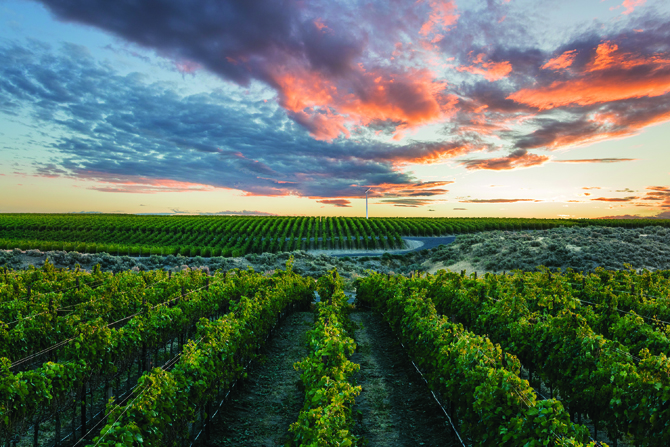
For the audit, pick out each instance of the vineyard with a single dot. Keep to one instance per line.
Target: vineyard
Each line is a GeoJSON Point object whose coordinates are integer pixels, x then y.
{"type": "Point", "coordinates": [226, 236]}
{"type": "Point", "coordinates": [151, 358]}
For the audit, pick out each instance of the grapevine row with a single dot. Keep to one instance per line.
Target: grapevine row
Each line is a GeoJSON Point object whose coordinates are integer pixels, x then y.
{"type": "Point", "coordinates": [594, 375]}
{"type": "Point", "coordinates": [492, 403]}
{"type": "Point", "coordinates": [57, 317]}
{"type": "Point", "coordinates": [239, 235]}
{"type": "Point", "coordinates": [98, 353]}
{"type": "Point", "coordinates": [327, 417]}
{"type": "Point", "coordinates": [169, 403]}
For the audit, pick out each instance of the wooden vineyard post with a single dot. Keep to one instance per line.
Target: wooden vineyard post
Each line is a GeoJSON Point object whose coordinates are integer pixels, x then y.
{"type": "Point", "coordinates": [36, 435]}
{"type": "Point", "coordinates": [145, 362]}
{"type": "Point", "coordinates": [74, 418]}
{"type": "Point", "coordinates": [57, 430]}
{"type": "Point", "coordinates": [83, 410]}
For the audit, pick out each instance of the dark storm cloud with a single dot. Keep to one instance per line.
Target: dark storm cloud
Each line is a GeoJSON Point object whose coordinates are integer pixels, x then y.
{"type": "Point", "coordinates": [218, 34]}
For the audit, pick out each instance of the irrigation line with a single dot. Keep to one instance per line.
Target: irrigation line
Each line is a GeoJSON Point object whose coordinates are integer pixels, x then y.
{"type": "Point", "coordinates": [427, 384]}
{"type": "Point", "coordinates": [58, 345]}
{"type": "Point", "coordinates": [627, 312]}
{"type": "Point", "coordinates": [203, 428]}
{"type": "Point", "coordinates": [46, 293]}
{"type": "Point", "coordinates": [30, 317]}
{"type": "Point", "coordinates": [170, 363]}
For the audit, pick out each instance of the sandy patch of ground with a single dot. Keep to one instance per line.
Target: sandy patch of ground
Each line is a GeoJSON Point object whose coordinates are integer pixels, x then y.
{"type": "Point", "coordinates": [433, 267]}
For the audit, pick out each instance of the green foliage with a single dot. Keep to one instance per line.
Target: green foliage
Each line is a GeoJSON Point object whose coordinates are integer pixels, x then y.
{"type": "Point", "coordinates": [239, 235]}
{"type": "Point", "coordinates": [544, 319]}
{"type": "Point", "coordinates": [326, 419]}
{"type": "Point", "coordinates": [495, 406]}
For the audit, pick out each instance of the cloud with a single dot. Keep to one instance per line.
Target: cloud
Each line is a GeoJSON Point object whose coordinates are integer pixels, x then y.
{"type": "Point", "coordinates": [615, 199]}
{"type": "Point", "coordinates": [128, 136]}
{"type": "Point", "coordinates": [442, 16]}
{"type": "Point", "coordinates": [499, 200]}
{"type": "Point", "coordinates": [611, 75]}
{"type": "Point", "coordinates": [520, 158]}
{"type": "Point", "coordinates": [410, 203]}
{"type": "Point", "coordinates": [460, 209]}
{"type": "Point", "coordinates": [138, 185]}
{"type": "Point", "coordinates": [561, 62]}
{"type": "Point", "coordinates": [342, 203]}
{"type": "Point", "coordinates": [318, 67]}
{"type": "Point", "coordinates": [345, 79]}
{"type": "Point", "coordinates": [421, 189]}
{"type": "Point", "coordinates": [630, 5]}
{"type": "Point", "coordinates": [659, 194]}
{"type": "Point", "coordinates": [625, 216]}
{"type": "Point", "coordinates": [595, 160]}
{"type": "Point", "coordinates": [492, 71]}
{"type": "Point", "coordinates": [591, 187]}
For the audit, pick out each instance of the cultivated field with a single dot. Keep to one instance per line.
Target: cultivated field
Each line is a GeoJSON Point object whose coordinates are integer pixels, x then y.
{"type": "Point", "coordinates": [107, 350]}
{"type": "Point", "coordinates": [234, 236]}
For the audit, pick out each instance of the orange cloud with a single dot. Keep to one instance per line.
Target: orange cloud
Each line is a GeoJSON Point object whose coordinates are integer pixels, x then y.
{"type": "Point", "coordinates": [443, 14]}
{"type": "Point", "coordinates": [492, 71]}
{"type": "Point", "coordinates": [517, 159]}
{"type": "Point", "coordinates": [606, 78]}
{"type": "Point", "coordinates": [659, 194]}
{"type": "Point", "coordinates": [615, 199]}
{"type": "Point", "coordinates": [422, 189]}
{"type": "Point", "coordinates": [592, 90]}
{"type": "Point", "coordinates": [561, 62]}
{"type": "Point", "coordinates": [499, 200]}
{"type": "Point", "coordinates": [140, 185]}
{"type": "Point", "coordinates": [325, 106]}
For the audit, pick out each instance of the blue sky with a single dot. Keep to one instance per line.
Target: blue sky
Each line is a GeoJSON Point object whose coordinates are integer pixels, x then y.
{"type": "Point", "coordinates": [443, 108]}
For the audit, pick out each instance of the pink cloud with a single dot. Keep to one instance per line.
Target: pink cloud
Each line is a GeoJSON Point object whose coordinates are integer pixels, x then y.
{"type": "Point", "coordinates": [443, 15]}
{"type": "Point", "coordinates": [492, 71]}
{"type": "Point", "coordinates": [561, 62]}
{"type": "Point", "coordinates": [630, 5]}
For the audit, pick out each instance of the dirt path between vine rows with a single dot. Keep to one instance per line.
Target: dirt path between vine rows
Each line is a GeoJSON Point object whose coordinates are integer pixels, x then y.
{"type": "Point", "coordinates": [261, 409]}
{"type": "Point", "coordinates": [396, 406]}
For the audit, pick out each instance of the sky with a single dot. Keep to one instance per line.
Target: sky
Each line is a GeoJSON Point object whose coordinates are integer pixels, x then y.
{"type": "Point", "coordinates": [505, 108]}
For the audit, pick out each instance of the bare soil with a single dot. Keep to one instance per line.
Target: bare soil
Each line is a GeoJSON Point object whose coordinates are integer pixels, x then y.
{"type": "Point", "coordinates": [396, 407]}
{"type": "Point", "coordinates": [260, 410]}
